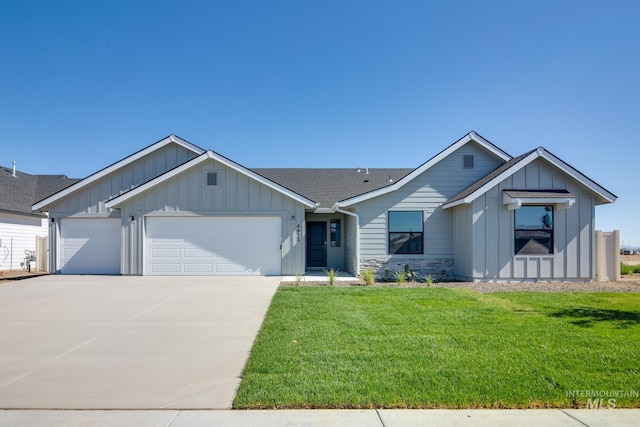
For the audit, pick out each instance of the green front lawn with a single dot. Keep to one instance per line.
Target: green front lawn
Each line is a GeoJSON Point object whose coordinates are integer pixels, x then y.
{"type": "Point", "coordinates": [326, 347]}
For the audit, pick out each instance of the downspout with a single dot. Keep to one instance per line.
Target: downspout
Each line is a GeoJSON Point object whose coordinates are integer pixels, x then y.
{"type": "Point", "coordinates": [357, 217]}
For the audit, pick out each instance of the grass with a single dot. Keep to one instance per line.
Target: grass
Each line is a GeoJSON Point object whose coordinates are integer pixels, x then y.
{"type": "Point", "coordinates": [450, 348]}
{"type": "Point", "coordinates": [626, 269]}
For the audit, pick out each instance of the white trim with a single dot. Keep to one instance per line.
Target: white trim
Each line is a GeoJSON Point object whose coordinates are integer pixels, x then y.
{"type": "Point", "coordinates": [326, 210]}
{"type": "Point", "coordinates": [605, 196]}
{"type": "Point", "coordinates": [357, 217]}
{"type": "Point", "coordinates": [561, 203]}
{"type": "Point", "coordinates": [208, 155]}
{"type": "Point", "coordinates": [110, 169]}
{"type": "Point", "coordinates": [471, 136]}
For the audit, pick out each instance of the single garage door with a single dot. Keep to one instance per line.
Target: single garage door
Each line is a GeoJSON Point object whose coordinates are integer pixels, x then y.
{"type": "Point", "coordinates": [213, 245]}
{"type": "Point", "coordinates": [90, 246]}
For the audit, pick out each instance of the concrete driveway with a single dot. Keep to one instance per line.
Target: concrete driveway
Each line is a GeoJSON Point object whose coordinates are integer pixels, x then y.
{"type": "Point", "coordinates": [110, 342]}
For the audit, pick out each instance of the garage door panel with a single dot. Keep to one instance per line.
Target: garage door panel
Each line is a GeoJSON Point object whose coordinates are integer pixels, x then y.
{"type": "Point", "coordinates": [231, 269]}
{"type": "Point", "coordinates": [165, 252]}
{"type": "Point", "coordinates": [197, 253]}
{"type": "Point", "coordinates": [197, 268]}
{"type": "Point", "coordinates": [90, 246]}
{"type": "Point", "coordinates": [166, 268]}
{"type": "Point", "coordinates": [213, 245]}
{"type": "Point", "coordinates": [166, 241]}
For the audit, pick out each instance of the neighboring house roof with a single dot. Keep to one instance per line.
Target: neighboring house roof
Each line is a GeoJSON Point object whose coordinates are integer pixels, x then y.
{"type": "Point", "coordinates": [21, 191]}
{"type": "Point", "coordinates": [470, 137]}
{"type": "Point", "coordinates": [328, 186]}
{"type": "Point", "coordinates": [492, 179]}
{"type": "Point", "coordinates": [115, 166]}
{"type": "Point", "coordinates": [208, 155]}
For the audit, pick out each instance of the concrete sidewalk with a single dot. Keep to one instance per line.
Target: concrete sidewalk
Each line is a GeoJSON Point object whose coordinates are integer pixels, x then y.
{"type": "Point", "coordinates": [319, 276]}
{"type": "Point", "coordinates": [311, 418]}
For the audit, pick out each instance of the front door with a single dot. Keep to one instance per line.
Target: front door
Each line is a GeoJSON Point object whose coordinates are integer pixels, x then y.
{"type": "Point", "coordinates": [316, 244]}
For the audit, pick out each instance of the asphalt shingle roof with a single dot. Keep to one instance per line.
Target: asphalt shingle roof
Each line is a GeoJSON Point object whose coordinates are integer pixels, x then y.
{"type": "Point", "coordinates": [328, 186]}
{"type": "Point", "coordinates": [19, 193]}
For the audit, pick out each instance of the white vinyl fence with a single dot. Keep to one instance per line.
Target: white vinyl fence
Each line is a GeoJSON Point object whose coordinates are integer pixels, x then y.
{"type": "Point", "coordinates": [607, 255]}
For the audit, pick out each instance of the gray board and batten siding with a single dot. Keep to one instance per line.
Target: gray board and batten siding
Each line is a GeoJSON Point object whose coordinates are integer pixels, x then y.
{"type": "Point", "coordinates": [484, 232]}
{"type": "Point", "coordinates": [427, 192]}
{"type": "Point", "coordinates": [234, 194]}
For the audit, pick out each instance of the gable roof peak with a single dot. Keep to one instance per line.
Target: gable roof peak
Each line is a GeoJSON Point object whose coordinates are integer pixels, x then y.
{"type": "Point", "coordinates": [509, 168]}
{"type": "Point", "coordinates": [205, 156]}
{"type": "Point", "coordinates": [471, 136]}
{"type": "Point", "coordinates": [44, 203]}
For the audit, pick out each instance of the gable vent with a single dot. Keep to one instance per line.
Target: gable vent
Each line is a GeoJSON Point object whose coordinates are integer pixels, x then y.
{"type": "Point", "coordinates": [468, 161]}
{"type": "Point", "coordinates": [212, 178]}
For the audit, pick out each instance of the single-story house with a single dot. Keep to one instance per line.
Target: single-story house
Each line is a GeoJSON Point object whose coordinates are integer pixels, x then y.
{"type": "Point", "coordinates": [471, 212]}
{"type": "Point", "coordinates": [19, 224]}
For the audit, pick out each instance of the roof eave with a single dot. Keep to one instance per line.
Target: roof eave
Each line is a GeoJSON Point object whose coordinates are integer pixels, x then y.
{"type": "Point", "coordinates": [455, 203]}
{"type": "Point", "coordinates": [29, 214]}
{"type": "Point", "coordinates": [602, 193]}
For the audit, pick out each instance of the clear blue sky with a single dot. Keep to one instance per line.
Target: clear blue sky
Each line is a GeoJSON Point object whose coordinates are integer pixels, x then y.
{"type": "Point", "coordinates": [325, 83]}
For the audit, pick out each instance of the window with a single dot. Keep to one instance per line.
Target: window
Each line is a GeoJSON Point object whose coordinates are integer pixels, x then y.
{"type": "Point", "coordinates": [405, 232]}
{"type": "Point", "coordinates": [467, 162]}
{"type": "Point", "coordinates": [212, 178]}
{"type": "Point", "coordinates": [335, 233]}
{"type": "Point", "coordinates": [534, 230]}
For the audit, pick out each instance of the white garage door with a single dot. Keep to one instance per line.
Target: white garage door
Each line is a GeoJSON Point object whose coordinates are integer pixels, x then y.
{"type": "Point", "coordinates": [90, 246]}
{"type": "Point", "coordinates": [213, 246]}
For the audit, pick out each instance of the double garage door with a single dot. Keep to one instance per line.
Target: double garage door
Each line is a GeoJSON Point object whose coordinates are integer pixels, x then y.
{"type": "Point", "coordinates": [176, 246]}
{"type": "Point", "coordinates": [213, 246]}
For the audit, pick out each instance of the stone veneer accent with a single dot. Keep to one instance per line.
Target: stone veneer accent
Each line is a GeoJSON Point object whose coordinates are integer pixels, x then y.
{"type": "Point", "coordinates": [440, 269]}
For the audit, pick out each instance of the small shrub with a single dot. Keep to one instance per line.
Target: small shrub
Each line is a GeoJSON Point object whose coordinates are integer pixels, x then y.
{"type": "Point", "coordinates": [299, 277]}
{"type": "Point", "coordinates": [410, 275]}
{"type": "Point", "coordinates": [332, 273]}
{"type": "Point", "coordinates": [400, 276]}
{"type": "Point", "coordinates": [389, 276]}
{"type": "Point", "coordinates": [368, 277]}
{"type": "Point", "coordinates": [428, 280]}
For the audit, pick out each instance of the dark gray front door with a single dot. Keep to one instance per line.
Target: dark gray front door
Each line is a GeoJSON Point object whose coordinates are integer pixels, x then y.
{"type": "Point", "coordinates": [316, 244]}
